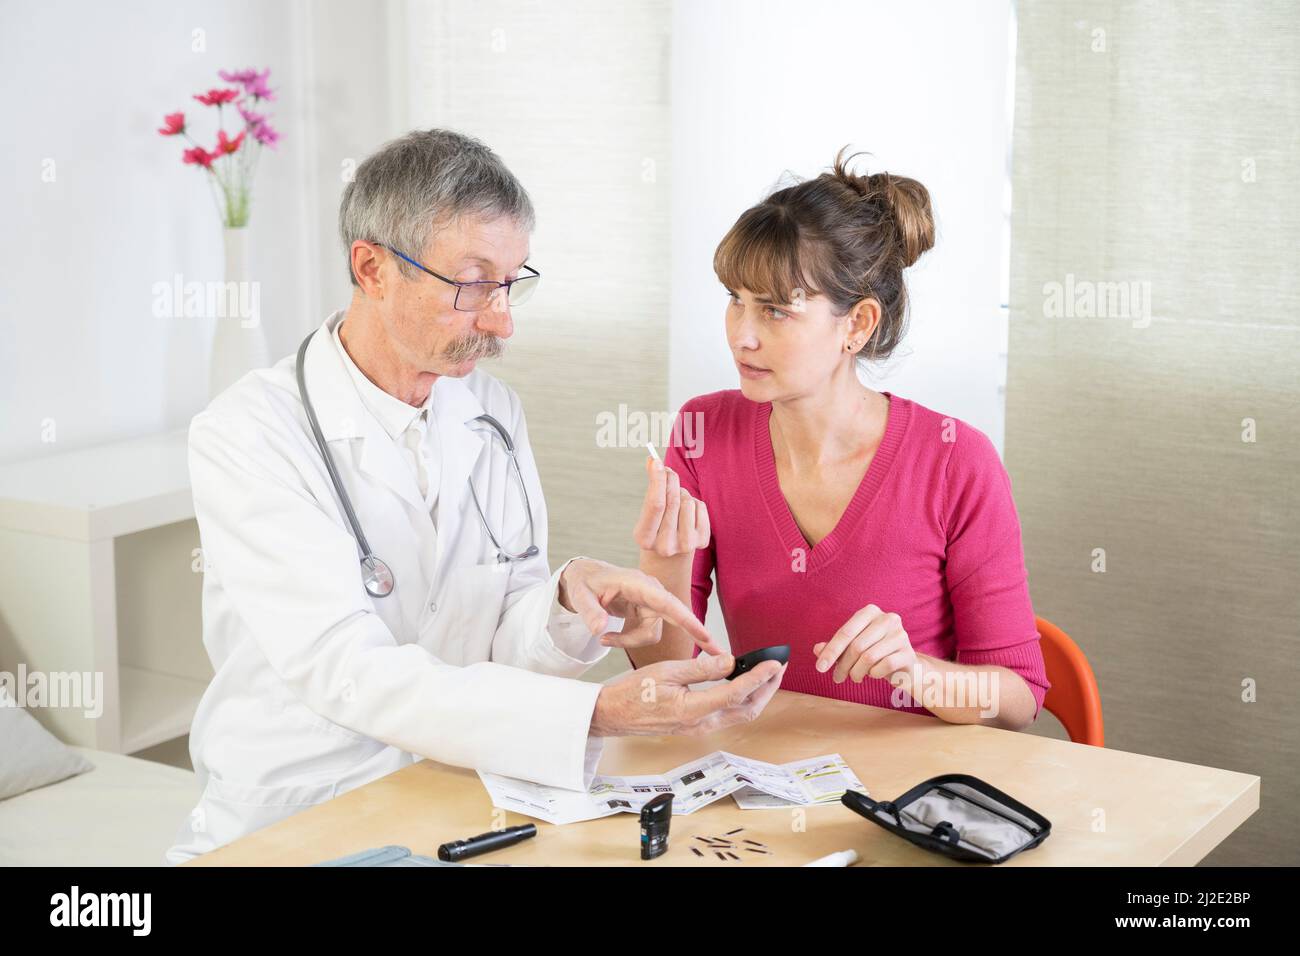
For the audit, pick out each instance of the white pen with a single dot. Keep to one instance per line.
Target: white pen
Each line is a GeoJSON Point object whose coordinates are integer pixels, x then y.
{"type": "Point", "coordinates": [654, 454]}
{"type": "Point", "coordinates": [843, 858]}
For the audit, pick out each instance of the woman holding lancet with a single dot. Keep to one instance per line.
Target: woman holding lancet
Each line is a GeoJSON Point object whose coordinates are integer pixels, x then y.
{"type": "Point", "coordinates": [875, 536]}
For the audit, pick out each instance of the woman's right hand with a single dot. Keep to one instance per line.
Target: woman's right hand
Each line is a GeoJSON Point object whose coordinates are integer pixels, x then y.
{"type": "Point", "coordinates": [672, 523]}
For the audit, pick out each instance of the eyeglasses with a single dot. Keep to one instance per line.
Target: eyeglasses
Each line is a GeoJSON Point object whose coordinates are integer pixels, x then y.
{"type": "Point", "coordinates": [475, 296]}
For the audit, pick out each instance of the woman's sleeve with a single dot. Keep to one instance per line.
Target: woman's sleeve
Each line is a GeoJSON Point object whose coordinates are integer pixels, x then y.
{"type": "Point", "coordinates": [682, 460]}
{"type": "Point", "coordinates": [988, 584]}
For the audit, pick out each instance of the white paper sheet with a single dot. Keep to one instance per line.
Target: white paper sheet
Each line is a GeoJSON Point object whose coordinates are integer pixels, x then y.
{"type": "Point", "coordinates": [818, 780]}
{"type": "Point", "coordinates": [754, 783]}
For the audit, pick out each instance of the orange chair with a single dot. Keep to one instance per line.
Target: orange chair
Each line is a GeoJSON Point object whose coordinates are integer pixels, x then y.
{"type": "Point", "coordinates": [1073, 699]}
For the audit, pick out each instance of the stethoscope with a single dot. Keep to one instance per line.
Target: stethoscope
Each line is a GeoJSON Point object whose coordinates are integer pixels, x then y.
{"type": "Point", "coordinates": [376, 575]}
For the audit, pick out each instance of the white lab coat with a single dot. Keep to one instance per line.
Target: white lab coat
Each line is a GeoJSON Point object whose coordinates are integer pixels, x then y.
{"type": "Point", "coordinates": [319, 687]}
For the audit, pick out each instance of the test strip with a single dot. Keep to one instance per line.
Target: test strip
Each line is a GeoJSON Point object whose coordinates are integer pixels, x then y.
{"type": "Point", "coordinates": [654, 454]}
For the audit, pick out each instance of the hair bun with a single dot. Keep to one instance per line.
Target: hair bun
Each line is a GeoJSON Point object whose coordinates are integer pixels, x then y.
{"type": "Point", "coordinates": [909, 201]}
{"type": "Point", "coordinates": [906, 201]}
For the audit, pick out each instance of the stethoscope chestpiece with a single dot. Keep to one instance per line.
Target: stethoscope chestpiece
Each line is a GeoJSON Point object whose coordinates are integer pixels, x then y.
{"type": "Point", "coordinates": [376, 576]}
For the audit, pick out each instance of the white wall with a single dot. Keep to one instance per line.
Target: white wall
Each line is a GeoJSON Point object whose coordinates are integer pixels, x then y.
{"type": "Point", "coordinates": [86, 85]}
{"type": "Point", "coordinates": [756, 91]}
{"type": "Point", "coordinates": [759, 89]}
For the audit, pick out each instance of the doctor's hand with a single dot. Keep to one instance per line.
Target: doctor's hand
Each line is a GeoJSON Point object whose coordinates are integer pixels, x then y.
{"type": "Point", "coordinates": [871, 643]}
{"type": "Point", "coordinates": [657, 699]}
{"type": "Point", "coordinates": [671, 522]}
{"type": "Point", "coordinates": [596, 589]}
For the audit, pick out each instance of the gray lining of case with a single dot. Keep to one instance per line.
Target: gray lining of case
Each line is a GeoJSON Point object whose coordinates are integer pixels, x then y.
{"type": "Point", "coordinates": [973, 815]}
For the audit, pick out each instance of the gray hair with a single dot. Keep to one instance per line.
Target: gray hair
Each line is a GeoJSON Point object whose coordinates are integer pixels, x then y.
{"type": "Point", "coordinates": [421, 182]}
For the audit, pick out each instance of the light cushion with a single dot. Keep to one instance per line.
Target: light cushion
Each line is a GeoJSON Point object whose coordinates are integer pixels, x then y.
{"type": "Point", "coordinates": [31, 756]}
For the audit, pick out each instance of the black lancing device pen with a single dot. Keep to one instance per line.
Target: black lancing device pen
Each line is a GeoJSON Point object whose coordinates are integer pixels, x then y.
{"type": "Point", "coordinates": [485, 842]}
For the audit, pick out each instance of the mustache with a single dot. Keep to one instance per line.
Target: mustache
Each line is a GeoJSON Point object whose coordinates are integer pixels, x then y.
{"type": "Point", "coordinates": [474, 346]}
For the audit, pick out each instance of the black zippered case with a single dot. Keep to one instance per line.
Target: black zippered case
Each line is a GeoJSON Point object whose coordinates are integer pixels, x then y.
{"type": "Point", "coordinates": [957, 815]}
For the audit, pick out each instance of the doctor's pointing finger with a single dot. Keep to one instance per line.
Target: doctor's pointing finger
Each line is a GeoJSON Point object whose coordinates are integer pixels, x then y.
{"type": "Point", "coordinates": [598, 589]}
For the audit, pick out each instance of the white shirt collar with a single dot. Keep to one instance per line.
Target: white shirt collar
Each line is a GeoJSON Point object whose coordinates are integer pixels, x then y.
{"type": "Point", "coordinates": [395, 415]}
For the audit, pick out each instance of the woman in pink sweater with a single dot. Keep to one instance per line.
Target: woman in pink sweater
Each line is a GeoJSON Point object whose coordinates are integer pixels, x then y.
{"type": "Point", "coordinates": [876, 537]}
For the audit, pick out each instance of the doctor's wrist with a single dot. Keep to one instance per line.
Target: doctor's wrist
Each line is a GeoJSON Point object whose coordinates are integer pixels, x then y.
{"type": "Point", "coordinates": [599, 727]}
{"type": "Point", "coordinates": [574, 567]}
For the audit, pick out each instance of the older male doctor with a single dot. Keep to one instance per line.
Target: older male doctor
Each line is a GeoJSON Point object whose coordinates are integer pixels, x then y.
{"type": "Point", "coordinates": [425, 623]}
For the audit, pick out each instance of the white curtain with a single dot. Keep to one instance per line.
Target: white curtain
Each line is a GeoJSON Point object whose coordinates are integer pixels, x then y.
{"type": "Point", "coordinates": [575, 100]}
{"type": "Point", "coordinates": [1153, 432]}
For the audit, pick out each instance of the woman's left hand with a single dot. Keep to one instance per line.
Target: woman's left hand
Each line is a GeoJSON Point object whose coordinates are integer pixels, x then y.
{"type": "Point", "coordinates": [872, 643]}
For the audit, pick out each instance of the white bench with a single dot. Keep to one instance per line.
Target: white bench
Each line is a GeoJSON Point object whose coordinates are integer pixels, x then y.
{"type": "Point", "coordinates": [125, 812]}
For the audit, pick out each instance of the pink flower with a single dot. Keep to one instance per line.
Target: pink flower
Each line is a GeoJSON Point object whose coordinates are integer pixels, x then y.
{"type": "Point", "coordinates": [257, 88]}
{"type": "Point", "coordinates": [251, 118]}
{"type": "Point", "coordinates": [216, 97]}
{"type": "Point", "coordinates": [265, 135]}
{"type": "Point", "coordinates": [242, 77]}
{"type": "Point", "coordinates": [226, 145]}
{"type": "Point", "coordinates": [198, 156]}
{"type": "Point", "coordinates": [175, 124]}
{"type": "Point", "coordinates": [253, 82]}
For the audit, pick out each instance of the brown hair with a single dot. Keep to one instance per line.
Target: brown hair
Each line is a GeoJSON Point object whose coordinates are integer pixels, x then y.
{"type": "Point", "coordinates": [842, 235]}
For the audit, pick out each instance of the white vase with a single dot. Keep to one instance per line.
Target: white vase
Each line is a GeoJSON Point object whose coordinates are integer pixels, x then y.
{"type": "Point", "coordinates": [238, 340]}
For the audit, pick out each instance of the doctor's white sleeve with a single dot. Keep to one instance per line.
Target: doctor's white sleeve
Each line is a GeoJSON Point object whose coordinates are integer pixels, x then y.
{"type": "Point", "coordinates": [274, 535]}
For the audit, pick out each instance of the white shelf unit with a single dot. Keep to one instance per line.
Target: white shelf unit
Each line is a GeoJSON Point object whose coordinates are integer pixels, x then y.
{"type": "Point", "coordinates": [158, 706]}
{"type": "Point", "coordinates": [96, 576]}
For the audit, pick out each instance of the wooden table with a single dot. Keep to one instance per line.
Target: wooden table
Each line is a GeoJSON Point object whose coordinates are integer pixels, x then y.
{"type": "Point", "coordinates": [1107, 807]}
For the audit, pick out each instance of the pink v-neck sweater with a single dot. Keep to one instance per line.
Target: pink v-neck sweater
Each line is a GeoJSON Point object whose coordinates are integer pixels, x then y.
{"type": "Point", "coordinates": [931, 534]}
